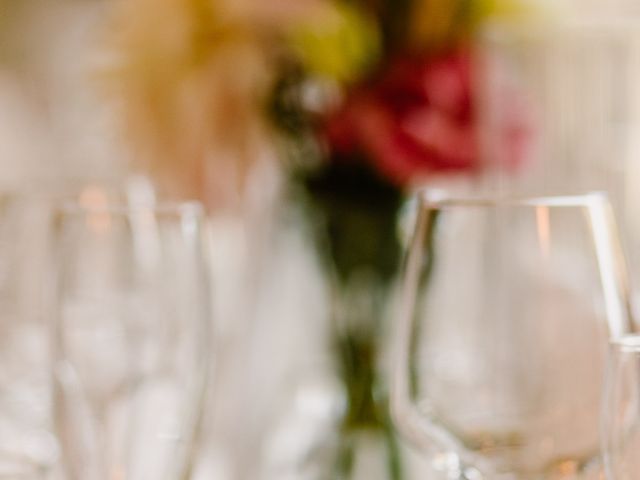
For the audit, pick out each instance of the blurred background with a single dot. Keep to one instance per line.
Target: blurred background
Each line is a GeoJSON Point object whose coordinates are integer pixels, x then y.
{"type": "Point", "coordinates": [304, 127]}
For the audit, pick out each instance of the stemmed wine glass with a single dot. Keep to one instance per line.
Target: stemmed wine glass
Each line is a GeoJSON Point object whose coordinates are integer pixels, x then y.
{"type": "Point", "coordinates": [131, 339]}
{"type": "Point", "coordinates": [507, 307]}
{"type": "Point", "coordinates": [621, 409]}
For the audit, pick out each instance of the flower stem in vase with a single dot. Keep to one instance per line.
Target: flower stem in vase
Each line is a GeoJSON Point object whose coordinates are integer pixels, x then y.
{"type": "Point", "coordinates": [356, 215]}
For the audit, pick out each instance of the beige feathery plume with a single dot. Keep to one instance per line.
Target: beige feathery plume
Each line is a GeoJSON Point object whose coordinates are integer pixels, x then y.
{"type": "Point", "coordinates": [191, 78]}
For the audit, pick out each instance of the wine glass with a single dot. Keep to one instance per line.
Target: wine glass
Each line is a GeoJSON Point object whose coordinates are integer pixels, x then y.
{"type": "Point", "coordinates": [507, 307]}
{"type": "Point", "coordinates": [621, 409]}
{"type": "Point", "coordinates": [130, 339]}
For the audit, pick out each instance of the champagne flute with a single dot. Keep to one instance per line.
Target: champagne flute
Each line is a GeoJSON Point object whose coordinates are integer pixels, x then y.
{"type": "Point", "coordinates": [130, 339]}
{"type": "Point", "coordinates": [28, 448]}
{"type": "Point", "coordinates": [508, 305]}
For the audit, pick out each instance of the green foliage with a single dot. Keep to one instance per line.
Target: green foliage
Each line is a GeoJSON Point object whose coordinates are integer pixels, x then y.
{"type": "Point", "coordinates": [357, 210]}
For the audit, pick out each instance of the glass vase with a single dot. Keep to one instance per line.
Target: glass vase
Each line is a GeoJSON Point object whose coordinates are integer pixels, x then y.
{"type": "Point", "coordinates": [353, 217]}
{"type": "Point", "coordinates": [367, 445]}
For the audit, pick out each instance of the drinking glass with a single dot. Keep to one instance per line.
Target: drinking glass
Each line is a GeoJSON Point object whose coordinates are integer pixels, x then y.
{"type": "Point", "coordinates": [507, 307]}
{"type": "Point", "coordinates": [131, 339]}
{"type": "Point", "coordinates": [28, 449]}
{"type": "Point", "coordinates": [621, 410]}
{"type": "Point", "coordinates": [573, 88]}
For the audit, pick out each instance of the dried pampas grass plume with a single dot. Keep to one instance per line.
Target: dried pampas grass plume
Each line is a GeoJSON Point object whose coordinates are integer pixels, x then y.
{"type": "Point", "coordinates": [190, 79]}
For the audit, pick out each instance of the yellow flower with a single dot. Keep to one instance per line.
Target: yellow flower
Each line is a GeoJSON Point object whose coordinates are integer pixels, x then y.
{"type": "Point", "coordinates": [434, 24]}
{"type": "Point", "coordinates": [511, 10]}
{"type": "Point", "coordinates": [339, 42]}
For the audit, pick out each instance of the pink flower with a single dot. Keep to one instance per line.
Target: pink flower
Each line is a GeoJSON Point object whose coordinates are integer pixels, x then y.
{"type": "Point", "coordinates": [415, 120]}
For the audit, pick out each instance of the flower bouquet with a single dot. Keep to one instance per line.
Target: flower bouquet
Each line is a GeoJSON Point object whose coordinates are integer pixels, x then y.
{"type": "Point", "coordinates": [364, 99]}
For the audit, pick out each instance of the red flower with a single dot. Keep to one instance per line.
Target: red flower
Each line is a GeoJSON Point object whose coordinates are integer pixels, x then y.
{"type": "Point", "coordinates": [415, 120]}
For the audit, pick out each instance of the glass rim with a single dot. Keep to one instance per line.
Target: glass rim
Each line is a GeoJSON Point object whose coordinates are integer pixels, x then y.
{"type": "Point", "coordinates": [435, 199]}
{"type": "Point", "coordinates": [629, 343]}
{"type": "Point", "coordinates": [189, 208]}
